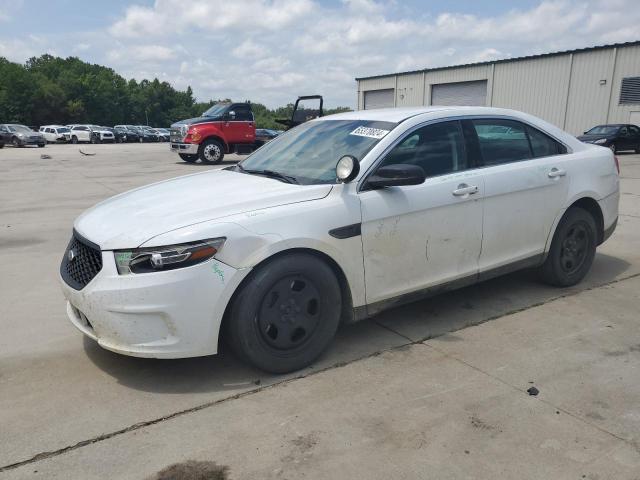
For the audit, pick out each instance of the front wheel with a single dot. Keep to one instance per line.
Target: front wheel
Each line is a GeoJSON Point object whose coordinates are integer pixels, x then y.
{"type": "Point", "coordinates": [41, 145]}
{"type": "Point", "coordinates": [74, 139]}
{"type": "Point", "coordinates": [188, 158]}
{"type": "Point", "coordinates": [614, 148]}
{"type": "Point", "coordinates": [211, 151]}
{"type": "Point", "coordinates": [16, 142]}
{"type": "Point", "coordinates": [286, 313]}
{"type": "Point", "coordinates": [573, 249]}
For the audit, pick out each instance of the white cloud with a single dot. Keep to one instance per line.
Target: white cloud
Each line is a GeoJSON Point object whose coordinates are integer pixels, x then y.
{"type": "Point", "coordinates": [142, 53]}
{"type": "Point", "coordinates": [249, 49]}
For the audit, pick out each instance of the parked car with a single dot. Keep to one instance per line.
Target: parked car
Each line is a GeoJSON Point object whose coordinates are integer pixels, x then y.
{"type": "Point", "coordinates": [617, 137]}
{"type": "Point", "coordinates": [21, 135]}
{"type": "Point", "coordinates": [338, 219]}
{"type": "Point", "coordinates": [163, 134]}
{"type": "Point", "coordinates": [223, 128]}
{"type": "Point", "coordinates": [118, 136]}
{"type": "Point", "coordinates": [131, 134]}
{"type": "Point", "coordinates": [82, 134]}
{"type": "Point", "coordinates": [56, 133]}
{"type": "Point", "coordinates": [151, 133]}
{"type": "Point", "coordinates": [264, 135]}
{"type": "Point", "coordinates": [103, 134]}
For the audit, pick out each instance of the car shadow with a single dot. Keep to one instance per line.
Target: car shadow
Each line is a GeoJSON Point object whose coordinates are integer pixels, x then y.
{"type": "Point", "coordinates": [200, 164]}
{"type": "Point", "coordinates": [418, 321]}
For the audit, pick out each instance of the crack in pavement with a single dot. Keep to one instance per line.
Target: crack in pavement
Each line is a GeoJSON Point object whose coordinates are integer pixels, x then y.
{"type": "Point", "coordinates": [137, 426]}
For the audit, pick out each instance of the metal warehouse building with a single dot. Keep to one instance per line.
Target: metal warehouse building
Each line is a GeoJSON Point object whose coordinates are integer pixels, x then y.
{"type": "Point", "coordinates": [574, 90]}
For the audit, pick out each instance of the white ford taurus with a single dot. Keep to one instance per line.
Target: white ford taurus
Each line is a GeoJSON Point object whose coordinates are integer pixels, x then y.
{"type": "Point", "coordinates": [332, 222]}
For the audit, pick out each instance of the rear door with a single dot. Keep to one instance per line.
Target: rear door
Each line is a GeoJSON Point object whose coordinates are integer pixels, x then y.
{"type": "Point", "coordinates": [419, 236]}
{"type": "Point", "coordinates": [526, 186]}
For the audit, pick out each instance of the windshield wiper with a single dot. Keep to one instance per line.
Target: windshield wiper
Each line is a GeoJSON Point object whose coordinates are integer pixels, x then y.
{"type": "Point", "coordinates": [270, 173]}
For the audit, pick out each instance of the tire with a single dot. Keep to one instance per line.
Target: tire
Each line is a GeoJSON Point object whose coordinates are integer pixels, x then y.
{"type": "Point", "coordinates": [41, 145]}
{"type": "Point", "coordinates": [188, 158]}
{"type": "Point", "coordinates": [614, 148]}
{"type": "Point", "coordinates": [286, 313]}
{"type": "Point", "coordinates": [211, 151]}
{"type": "Point", "coordinates": [572, 249]}
{"type": "Point", "coordinates": [74, 140]}
{"type": "Point", "coordinates": [1, 145]}
{"type": "Point", "coordinates": [16, 142]}
{"type": "Point", "coordinates": [94, 140]}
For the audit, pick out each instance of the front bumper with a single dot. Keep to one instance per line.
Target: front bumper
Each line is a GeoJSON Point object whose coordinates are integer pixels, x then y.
{"type": "Point", "coordinates": [172, 314]}
{"type": "Point", "coordinates": [187, 148]}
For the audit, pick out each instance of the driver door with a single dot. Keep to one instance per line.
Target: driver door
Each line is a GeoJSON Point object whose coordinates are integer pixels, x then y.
{"type": "Point", "coordinates": [416, 237]}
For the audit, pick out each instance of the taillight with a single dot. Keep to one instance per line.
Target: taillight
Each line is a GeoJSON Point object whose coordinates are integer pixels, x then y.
{"type": "Point", "coordinates": [615, 159]}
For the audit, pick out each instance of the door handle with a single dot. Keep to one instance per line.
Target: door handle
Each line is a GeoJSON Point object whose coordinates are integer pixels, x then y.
{"type": "Point", "coordinates": [464, 189]}
{"type": "Point", "coordinates": [556, 172]}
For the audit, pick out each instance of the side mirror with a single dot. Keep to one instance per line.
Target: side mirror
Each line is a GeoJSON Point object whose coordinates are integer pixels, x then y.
{"type": "Point", "coordinates": [397, 176]}
{"type": "Point", "coordinates": [230, 115]}
{"type": "Point", "coordinates": [347, 168]}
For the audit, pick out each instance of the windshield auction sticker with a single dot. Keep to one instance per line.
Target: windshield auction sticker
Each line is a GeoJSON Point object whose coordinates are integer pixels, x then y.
{"type": "Point", "coordinates": [369, 132]}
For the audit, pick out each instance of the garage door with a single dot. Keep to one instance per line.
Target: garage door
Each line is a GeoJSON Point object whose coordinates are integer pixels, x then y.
{"type": "Point", "coordinates": [460, 93]}
{"type": "Point", "coordinates": [378, 98]}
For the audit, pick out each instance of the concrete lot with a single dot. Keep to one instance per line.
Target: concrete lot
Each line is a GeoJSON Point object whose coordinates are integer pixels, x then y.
{"type": "Point", "coordinates": [412, 393]}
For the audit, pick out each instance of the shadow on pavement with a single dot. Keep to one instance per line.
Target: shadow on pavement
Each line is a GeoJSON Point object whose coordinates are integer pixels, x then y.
{"type": "Point", "coordinates": [417, 321]}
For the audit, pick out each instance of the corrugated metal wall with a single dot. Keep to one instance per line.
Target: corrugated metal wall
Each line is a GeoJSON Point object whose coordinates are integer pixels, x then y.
{"type": "Point", "coordinates": [566, 90]}
{"type": "Point", "coordinates": [536, 86]}
{"type": "Point", "coordinates": [627, 64]}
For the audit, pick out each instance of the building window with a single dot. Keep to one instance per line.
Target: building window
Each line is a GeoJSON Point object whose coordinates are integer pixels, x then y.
{"type": "Point", "coordinates": [630, 91]}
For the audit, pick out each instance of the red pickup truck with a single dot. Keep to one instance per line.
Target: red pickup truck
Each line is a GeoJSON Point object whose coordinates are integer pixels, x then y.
{"type": "Point", "coordinates": [224, 128]}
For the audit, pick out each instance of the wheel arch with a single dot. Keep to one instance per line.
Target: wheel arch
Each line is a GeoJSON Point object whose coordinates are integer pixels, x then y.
{"type": "Point", "coordinates": [587, 203]}
{"type": "Point", "coordinates": [219, 139]}
{"type": "Point", "coordinates": [347, 314]}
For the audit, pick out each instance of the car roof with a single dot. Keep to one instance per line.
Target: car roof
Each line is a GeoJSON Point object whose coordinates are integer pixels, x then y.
{"type": "Point", "coordinates": [397, 115]}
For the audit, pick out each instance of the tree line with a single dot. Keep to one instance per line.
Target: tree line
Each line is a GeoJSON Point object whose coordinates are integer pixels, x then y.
{"type": "Point", "coordinates": [53, 90]}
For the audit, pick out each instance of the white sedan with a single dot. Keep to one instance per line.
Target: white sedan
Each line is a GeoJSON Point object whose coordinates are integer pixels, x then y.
{"type": "Point", "coordinates": [333, 222]}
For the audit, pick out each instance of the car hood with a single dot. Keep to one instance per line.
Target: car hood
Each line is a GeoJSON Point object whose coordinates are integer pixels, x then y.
{"type": "Point", "coordinates": [130, 219]}
{"type": "Point", "coordinates": [592, 137]}
{"type": "Point", "coordinates": [192, 121]}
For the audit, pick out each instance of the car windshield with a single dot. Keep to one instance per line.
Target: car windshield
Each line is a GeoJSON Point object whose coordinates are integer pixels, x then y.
{"type": "Point", "coordinates": [217, 110]}
{"type": "Point", "coordinates": [310, 152]}
{"type": "Point", "coordinates": [19, 128]}
{"type": "Point", "coordinates": [63, 130]}
{"type": "Point", "coordinates": [603, 130]}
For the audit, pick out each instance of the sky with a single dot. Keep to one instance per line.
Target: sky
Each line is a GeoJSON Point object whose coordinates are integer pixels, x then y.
{"type": "Point", "coordinates": [271, 51]}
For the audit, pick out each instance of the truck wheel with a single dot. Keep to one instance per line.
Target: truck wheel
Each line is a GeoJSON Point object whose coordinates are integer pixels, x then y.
{"type": "Point", "coordinates": [188, 158]}
{"type": "Point", "coordinates": [286, 314]}
{"type": "Point", "coordinates": [211, 151]}
{"type": "Point", "coordinates": [572, 249]}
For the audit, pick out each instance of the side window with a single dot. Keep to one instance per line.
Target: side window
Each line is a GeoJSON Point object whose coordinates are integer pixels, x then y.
{"type": "Point", "coordinates": [543, 145]}
{"type": "Point", "coordinates": [624, 131]}
{"type": "Point", "coordinates": [502, 141]}
{"type": "Point", "coordinates": [634, 130]}
{"type": "Point", "coordinates": [243, 113]}
{"type": "Point", "coordinates": [437, 148]}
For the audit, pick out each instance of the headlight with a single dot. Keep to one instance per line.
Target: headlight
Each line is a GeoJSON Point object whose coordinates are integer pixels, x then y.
{"type": "Point", "coordinates": [153, 259]}
{"type": "Point", "coordinates": [600, 141]}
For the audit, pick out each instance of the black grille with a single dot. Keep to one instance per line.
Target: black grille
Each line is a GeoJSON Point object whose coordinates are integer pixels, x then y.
{"type": "Point", "coordinates": [79, 268]}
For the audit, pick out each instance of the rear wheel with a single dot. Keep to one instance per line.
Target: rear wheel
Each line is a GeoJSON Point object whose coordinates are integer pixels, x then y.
{"type": "Point", "coordinates": [572, 249]}
{"type": "Point", "coordinates": [211, 151]}
{"type": "Point", "coordinates": [41, 145]}
{"type": "Point", "coordinates": [74, 139]}
{"type": "Point", "coordinates": [188, 158]}
{"type": "Point", "coordinates": [286, 314]}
